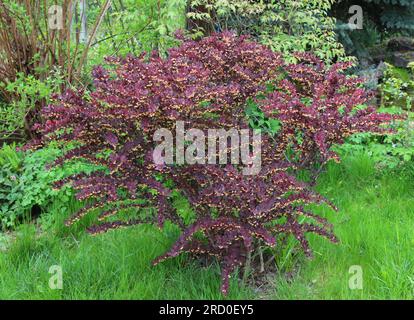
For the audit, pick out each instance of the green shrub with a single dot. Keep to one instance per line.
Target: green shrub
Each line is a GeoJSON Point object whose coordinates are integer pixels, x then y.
{"type": "Point", "coordinates": [397, 88]}
{"type": "Point", "coordinates": [25, 182]}
{"type": "Point", "coordinates": [389, 151]}
{"type": "Point", "coordinates": [29, 94]}
{"type": "Point", "coordinates": [286, 26]}
{"type": "Point", "coordinates": [134, 26]}
{"type": "Point", "coordinates": [360, 43]}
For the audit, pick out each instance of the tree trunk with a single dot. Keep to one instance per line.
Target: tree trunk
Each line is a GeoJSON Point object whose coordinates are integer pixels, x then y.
{"type": "Point", "coordinates": [84, 23]}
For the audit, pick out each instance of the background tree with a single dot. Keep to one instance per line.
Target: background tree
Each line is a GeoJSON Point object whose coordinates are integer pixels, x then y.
{"type": "Point", "coordinates": [388, 15]}
{"type": "Point", "coordinates": [284, 25]}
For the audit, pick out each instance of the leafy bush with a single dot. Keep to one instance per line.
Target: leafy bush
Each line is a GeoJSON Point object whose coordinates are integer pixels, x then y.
{"type": "Point", "coordinates": [360, 43]}
{"type": "Point", "coordinates": [285, 26]}
{"type": "Point", "coordinates": [220, 72]}
{"type": "Point", "coordinates": [397, 88]}
{"type": "Point", "coordinates": [206, 84]}
{"type": "Point", "coordinates": [319, 107]}
{"type": "Point", "coordinates": [134, 26]}
{"type": "Point", "coordinates": [22, 184]}
{"type": "Point", "coordinates": [31, 92]}
{"type": "Point", "coordinates": [25, 182]}
{"type": "Point", "coordinates": [389, 151]}
{"type": "Point", "coordinates": [235, 212]}
{"type": "Point", "coordinates": [396, 149]}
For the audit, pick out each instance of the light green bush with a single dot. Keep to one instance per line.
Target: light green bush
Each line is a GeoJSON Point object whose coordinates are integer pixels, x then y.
{"type": "Point", "coordinates": [25, 181]}
{"type": "Point", "coordinates": [284, 25]}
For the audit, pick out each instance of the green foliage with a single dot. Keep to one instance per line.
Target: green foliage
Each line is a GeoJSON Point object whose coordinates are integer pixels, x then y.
{"type": "Point", "coordinates": [258, 120]}
{"type": "Point", "coordinates": [382, 19]}
{"type": "Point", "coordinates": [302, 26]}
{"type": "Point", "coordinates": [397, 88]}
{"type": "Point", "coordinates": [29, 93]}
{"type": "Point", "coordinates": [389, 151]}
{"type": "Point", "coordinates": [397, 95]}
{"type": "Point", "coordinates": [25, 182]}
{"type": "Point", "coordinates": [286, 25]}
{"type": "Point", "coordinates": [10, 157]}
{"type": "Point", "coordinates": [375, 228]}
{"type": "Point", "coordinates": [397, 14]}
{"type": "Point", "coordinates": [134, 26]}
{"type": "Point", "coordinates": [357, 42]}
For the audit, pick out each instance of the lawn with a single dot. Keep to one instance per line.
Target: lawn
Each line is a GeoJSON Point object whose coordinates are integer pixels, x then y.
{"type": "Point", "coordinates": [374, 225]}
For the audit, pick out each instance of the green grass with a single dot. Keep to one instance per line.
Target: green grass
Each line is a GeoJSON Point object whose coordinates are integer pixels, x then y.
{"type": "Point", "coordinates": [113, 266]}
{"type": "Point", "coordinates": [375, 226]}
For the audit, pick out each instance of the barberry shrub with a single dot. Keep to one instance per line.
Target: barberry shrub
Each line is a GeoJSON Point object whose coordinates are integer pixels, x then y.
{"type": "Point", "coordinates": [235, 212]}
{"type": "Point", "coordinates": [115, 125]}
{"type": "Point", "coordinates": [205, 84]}
{"type": "Point", "coordinates": [319, 107]}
